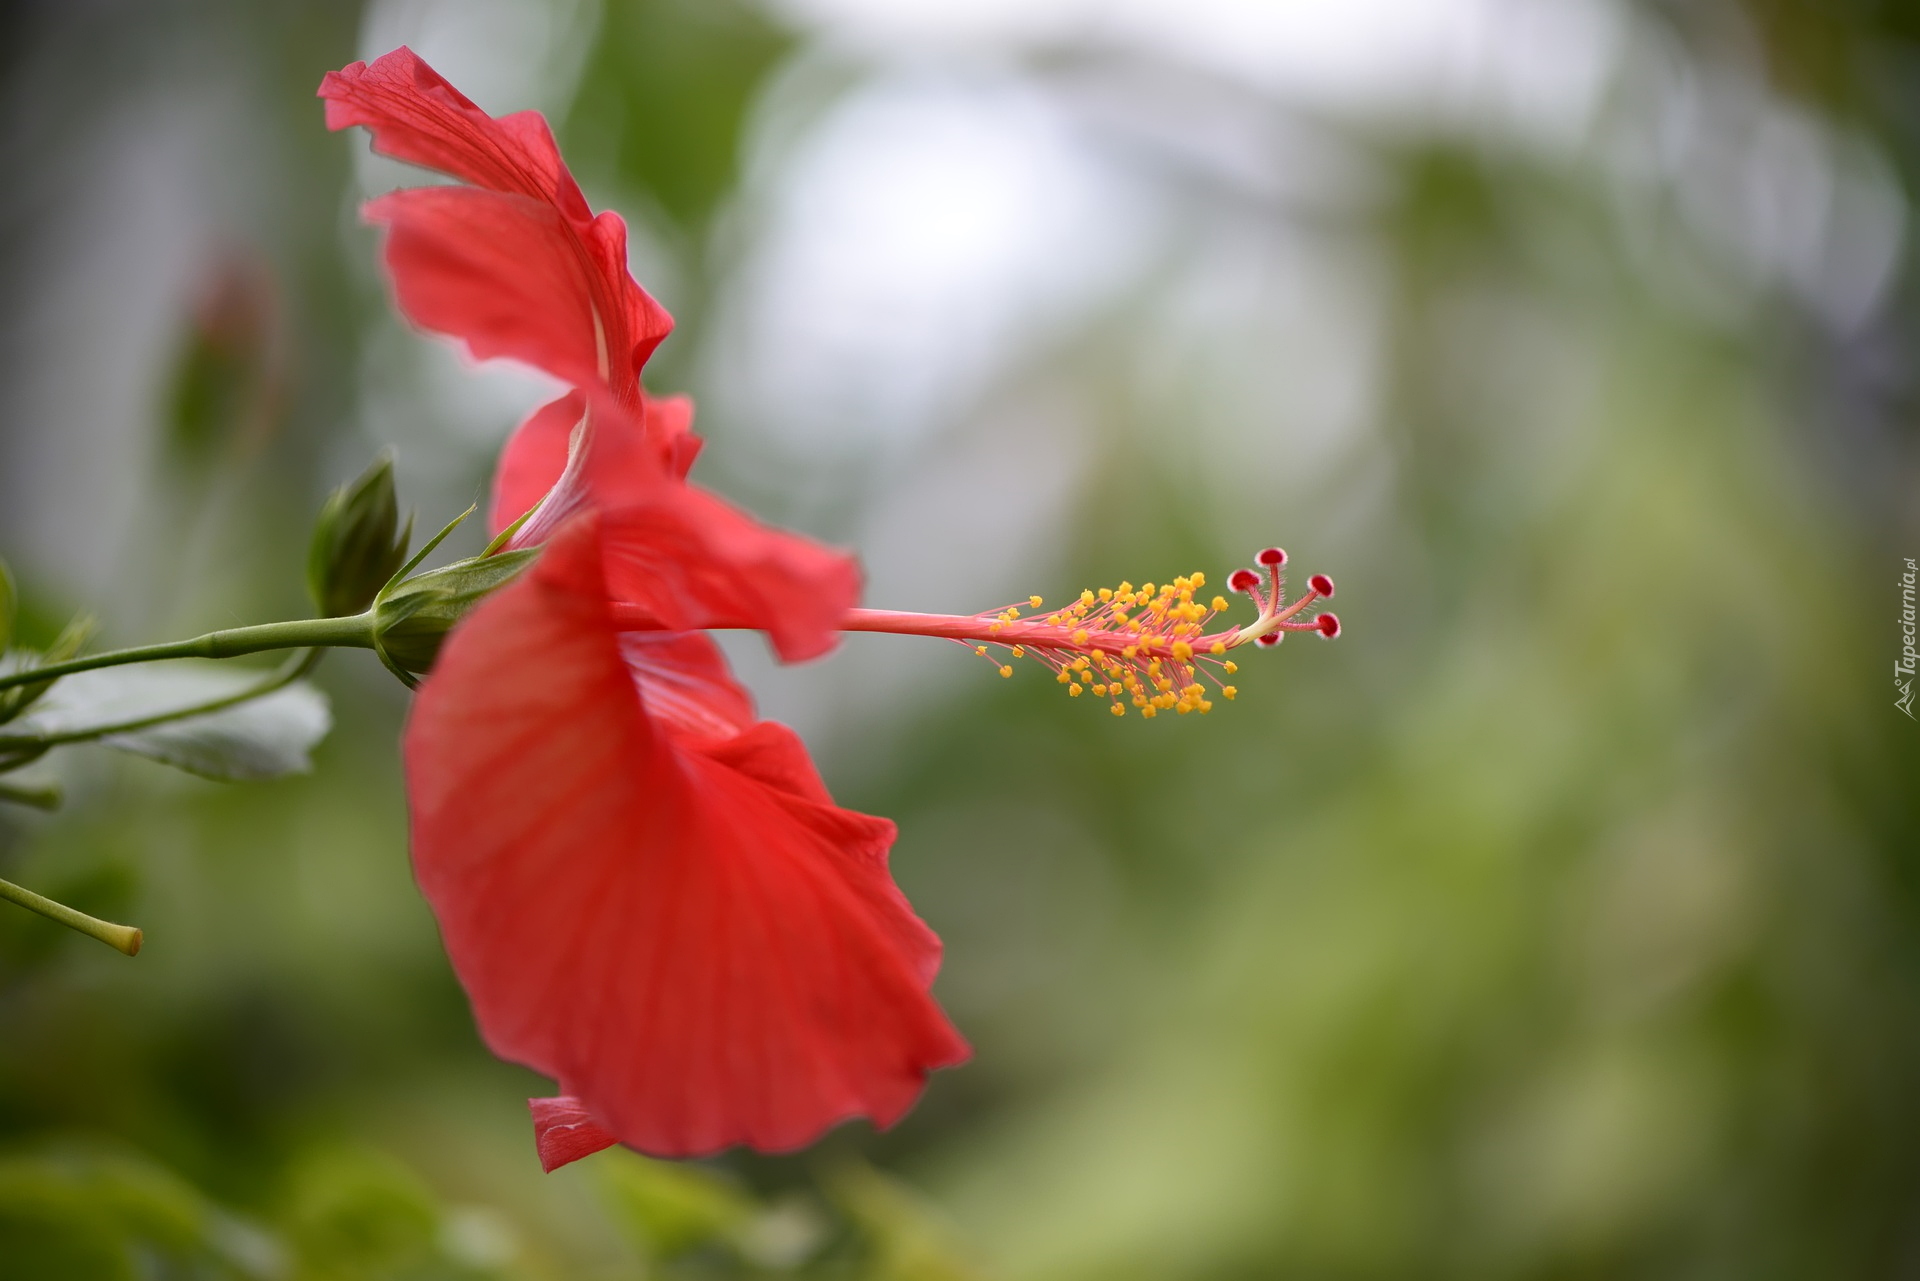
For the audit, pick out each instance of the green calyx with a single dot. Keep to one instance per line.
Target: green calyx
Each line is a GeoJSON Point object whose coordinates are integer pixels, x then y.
{"type": "Point", "coordinates": [358, 542]}
{"type": "Point", "coordinates": [412, 616]}
{"type": "Point", "coordinates": [411, 621]}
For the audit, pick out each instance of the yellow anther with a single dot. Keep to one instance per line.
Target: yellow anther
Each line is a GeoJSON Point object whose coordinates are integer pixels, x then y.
{"type": "Point", "coordinates": [1019, 652]}
{"type": "Point", "coordinates": [1148, 712]}
{"type": "Point", "coordinates": [1139, 701]}
{"type": "Point", "coordinates": [1119, 710]}
{"type": "Point", "coordinates": [1182, 651]}
{"type": "Point", "coordinates": [1073, 691]}
{"type": "Point", "coordinates": [1080, 637]}
{"type": "Point", "coordinates": [1219, 604]}
{"type": "Point", "coordinates": [995, 626]}
{"type": "Point", "coordinates": [1124, 588]}
{"type": "Point", "coordinates": [1148, 589]}
{"type": "Point", "coordinates": [1131, 651]}
{"type": "Point", "coordinates": [1006, 671]}
{"type": "Point", "coordinates": [1081, 664]}
{"type": "Point", "coordinates": [1228, 692]}
{"type": "Point", "coordinates": [1086, 597]}
{"type": "Point", "coordinates": [1100, 691]}
{"type": "Point", "coordinates": [1183, 709]}
{"type": "Point", "coordinates": [1205, 707]}
{"type": "Point", "coordinates": [980, 649]}
{"type": "Point", "coordinates": [1064, 678]}
{"type": "Point", "coordinates": [1106, 593]}
{"type": "Point", "coordinates": [1083, 676]}
{"type": "Point", "coordinates": [1034, 601]}
{"type": "Point", "coordinates": [1230, 667]}
{"type": "Point", "coordinates": [1199, 579]}
{"type": "Point", "coordinates": [1218, 647]}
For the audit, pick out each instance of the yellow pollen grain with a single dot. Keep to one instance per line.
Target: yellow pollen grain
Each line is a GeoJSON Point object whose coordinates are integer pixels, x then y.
{"type": "Point", "coordinates": [1183, 709]}
{"type": "Point", "coordinates": [1230, 667]}
{"type": "Point", "coordinates": [1100, 691]}
{"type": "Point", "coordinates": [1073, 691]}
{"type": "Point", "coordinates": [1034, 601]}
{"type": "Point", "coordinates": [1064, 678]}
{"type": "Point", "coordinates": [1086, 597]}
{"type": "Point", "coordinates": [1006, 671]}
{"type": "Point", "coordinates": [1119, 710]}
{"type": "Point", "coordinates": [1199, 579]}
{"type": "Point", "coordinates": [1228, 692]}
{"type": "Point", "coordinates": [1124, 588]}
{"type": "Point", "coordinates": [1148, 712]}
{"type": "Point", "coordinates": [1106, 593]}
{"type": "Point", "coordinates": [1219, 604]}
{"type": "Point", "coordinates": [1148, 589]}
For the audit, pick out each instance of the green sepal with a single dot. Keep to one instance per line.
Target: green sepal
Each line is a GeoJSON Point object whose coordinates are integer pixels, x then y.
{"type": "Point", "coordinates": [358, 542]}
{"type": "Point", "coordinates": [411, 620]}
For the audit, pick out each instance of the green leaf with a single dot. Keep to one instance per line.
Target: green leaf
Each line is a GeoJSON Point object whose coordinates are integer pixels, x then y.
{"type": "Point", "coordinates": [263, 738]}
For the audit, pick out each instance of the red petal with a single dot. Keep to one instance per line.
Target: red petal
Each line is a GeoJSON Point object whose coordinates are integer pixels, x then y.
{"type": "Point", "coordinates": [563, 1131]}
{"type": "Point", "coordinates": [680, 559]}
{"type": "Point", "coordinates": [503, 273]}
{"type": "Point", "coordinates": [535, 456]}
{"type": "Point", "coordinates": [684, 683]}
{"type": "Point", "coordinates": [687, 561]}
{"type": "Point", "coordinates": [692, 939]}
{"type": "Point", "coordinates": [669, 426]}
{"type": "Point", "coordinates": [415, 115]}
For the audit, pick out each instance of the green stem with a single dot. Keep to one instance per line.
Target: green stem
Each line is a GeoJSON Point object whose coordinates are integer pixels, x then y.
{"type": "Point", "coordinates": [40, 798]}
{"type": "Point", "coordinates": [124, 938]}
{"type": "Point", "coordinates": [286, 674]}
{"type": "Point", "coordinates": [354, 631]}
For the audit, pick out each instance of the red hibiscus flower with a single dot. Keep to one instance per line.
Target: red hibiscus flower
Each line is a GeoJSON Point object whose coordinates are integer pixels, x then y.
{"type": "Point", "coordinates": [647, 894]}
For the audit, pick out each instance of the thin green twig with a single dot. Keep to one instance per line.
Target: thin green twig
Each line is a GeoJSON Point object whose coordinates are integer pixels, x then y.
{"type": "Point", "coordinates": [40, 798]}
{"type": "Point", "coordinates": [123, 938]}
{"type": "Point", "coordinates": [354, 631]}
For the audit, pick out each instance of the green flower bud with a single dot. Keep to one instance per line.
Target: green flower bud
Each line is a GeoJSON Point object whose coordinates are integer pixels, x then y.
{"type": "Point", "coordinates": [355, 550]}
{"type": "Point", "coordinates": [411, 621]}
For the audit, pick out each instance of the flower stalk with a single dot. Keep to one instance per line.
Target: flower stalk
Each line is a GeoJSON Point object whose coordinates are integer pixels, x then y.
{"type": "Point", "coordinates": [352, 632]}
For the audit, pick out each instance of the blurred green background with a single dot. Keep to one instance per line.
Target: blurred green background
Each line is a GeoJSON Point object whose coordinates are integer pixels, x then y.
{"type": "Point", "coordinates": [1560, 920]}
